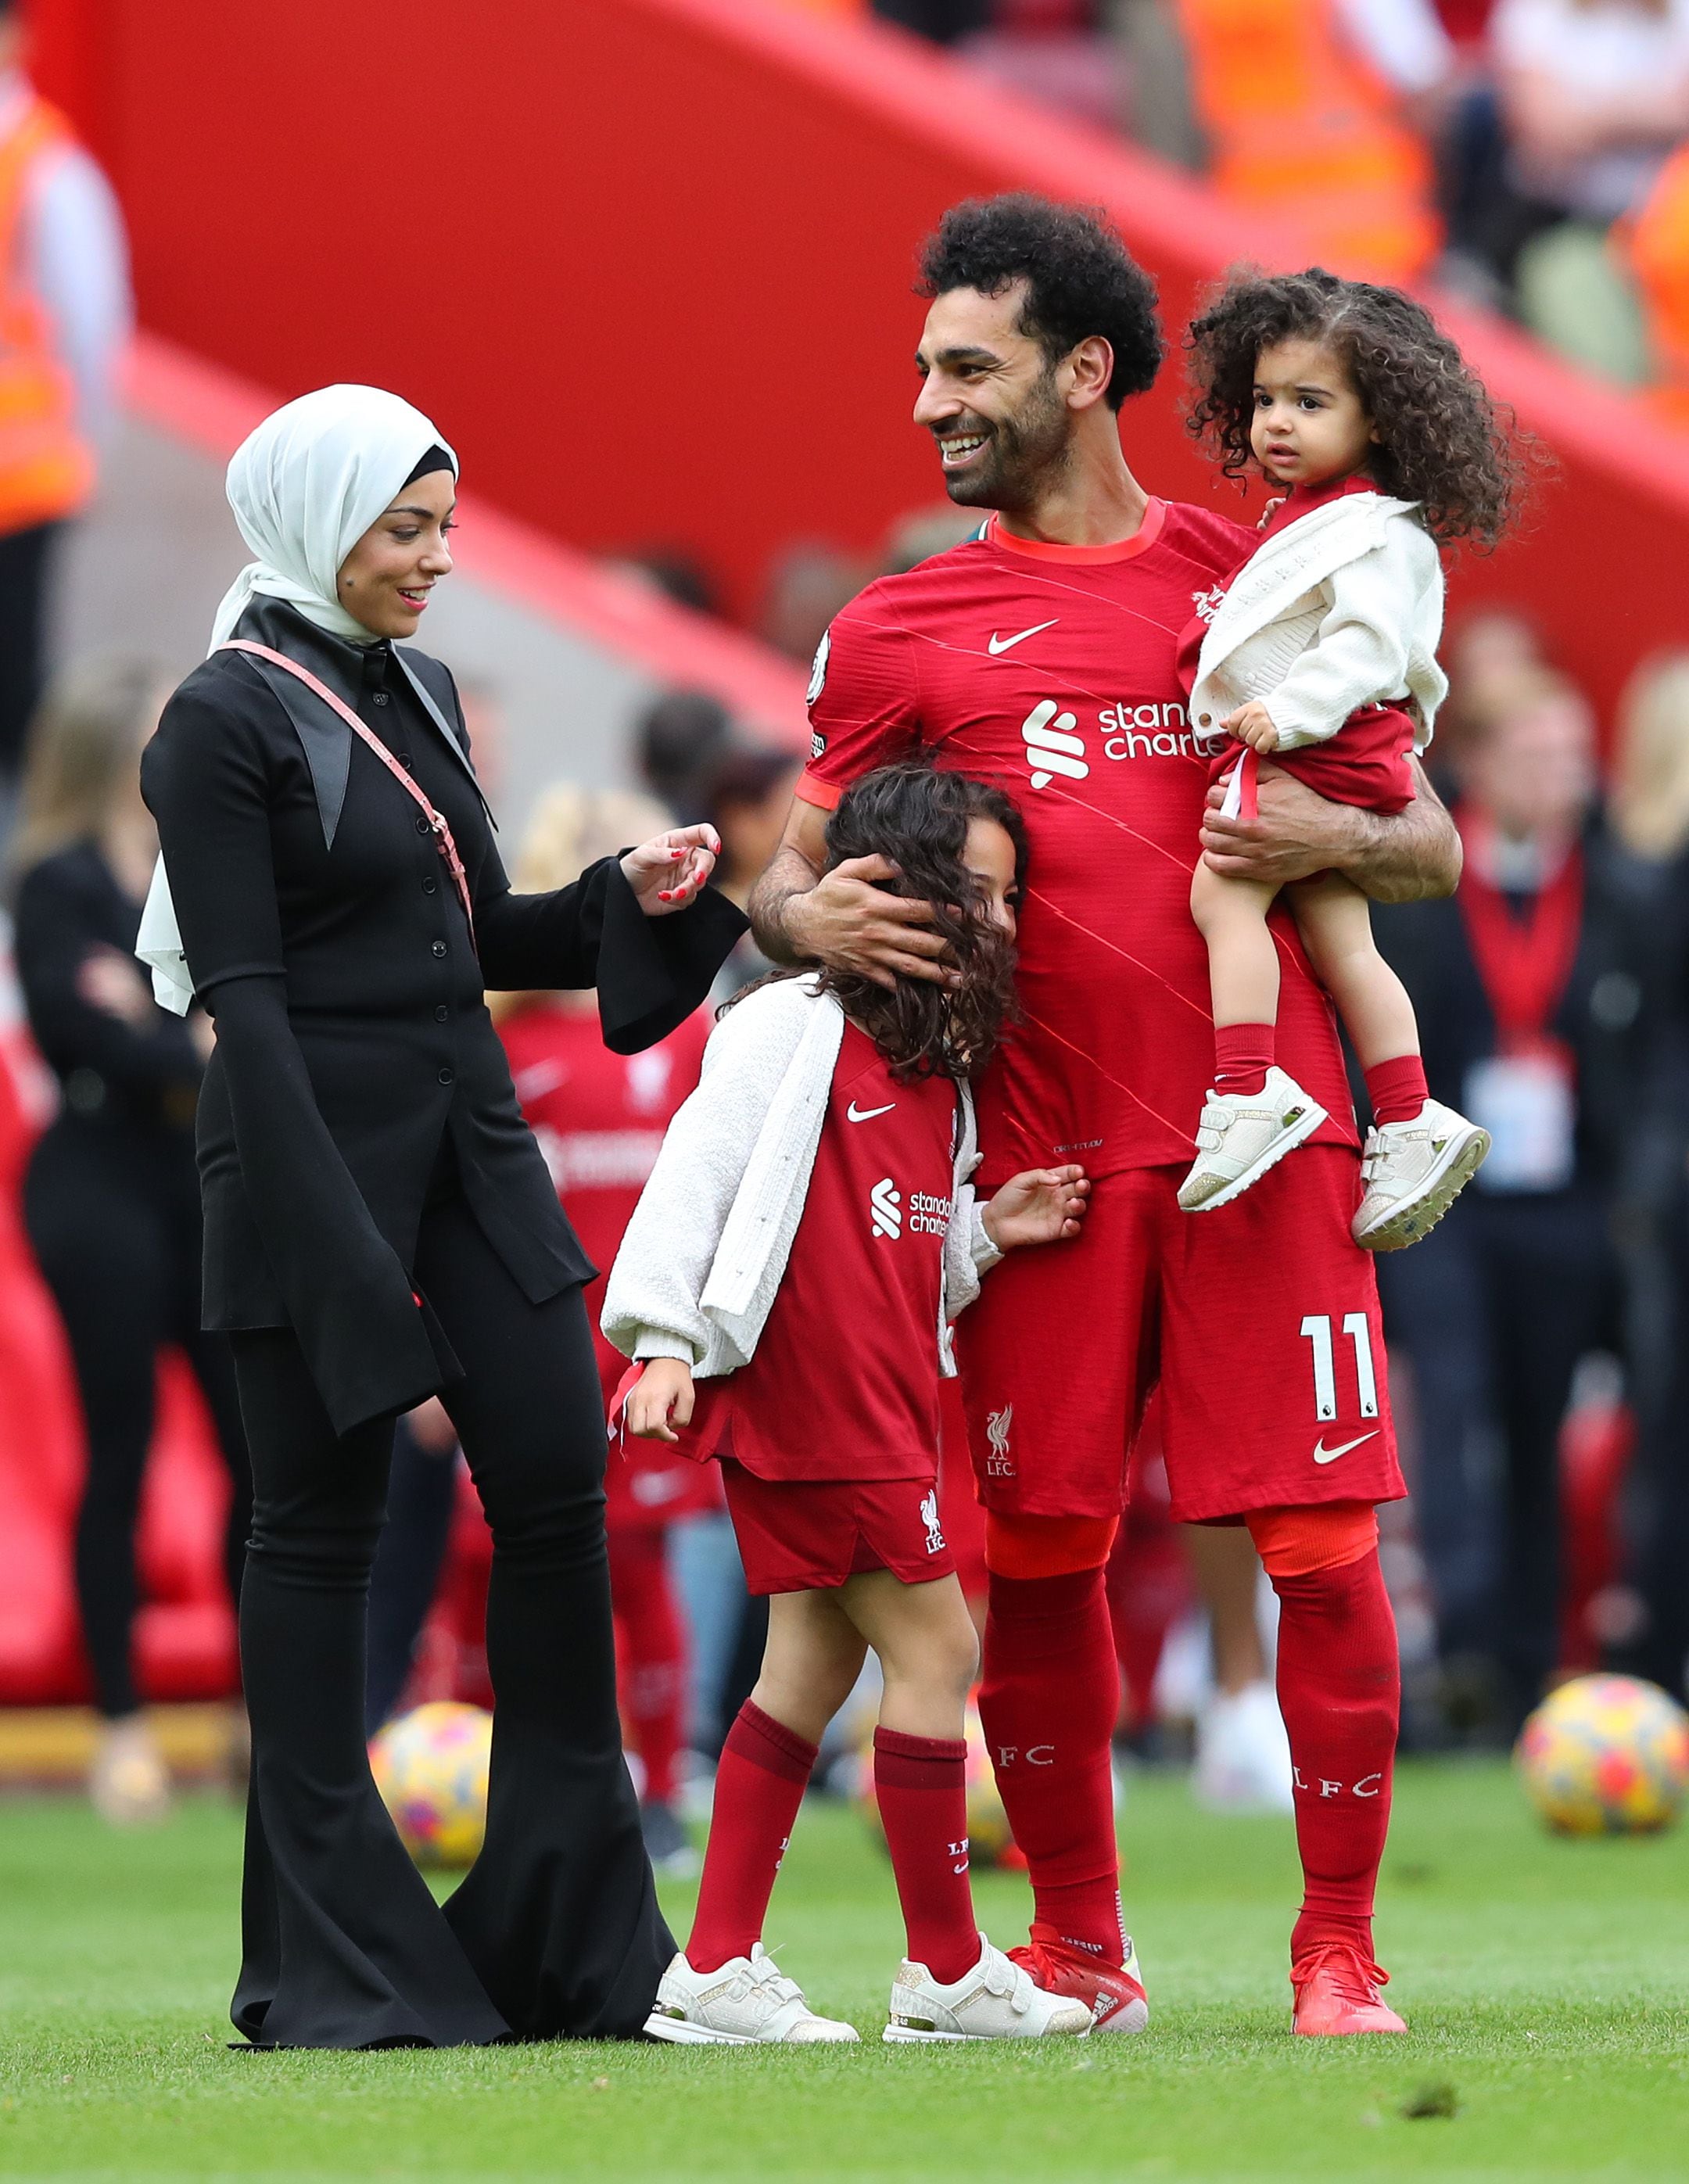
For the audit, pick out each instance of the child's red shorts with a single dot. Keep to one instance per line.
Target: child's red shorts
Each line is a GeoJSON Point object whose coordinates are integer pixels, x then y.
{"type": "Point", "coordinates": [809, 1534]}
{"type": "Point", "coordinates": [1366, 762]}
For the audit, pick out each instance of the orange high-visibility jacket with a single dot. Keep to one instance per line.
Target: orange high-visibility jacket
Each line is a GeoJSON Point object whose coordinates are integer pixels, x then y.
{"type": "Point", "coordinates": [1657, 247]}
{"type": "Point", "coordinates": [1301, 127]}
{"type": "Point", "coordinates": [45, 468]}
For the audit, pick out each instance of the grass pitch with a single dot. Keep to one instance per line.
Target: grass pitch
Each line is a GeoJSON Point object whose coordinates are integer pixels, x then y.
{"type": "Point", "coordinates": [1547, 1982]}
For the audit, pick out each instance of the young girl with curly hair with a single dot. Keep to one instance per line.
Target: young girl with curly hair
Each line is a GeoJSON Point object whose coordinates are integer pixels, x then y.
{"type": "Point", "coordinates": [788, 1282]}
{"type": "Point", "coordinates": [1321, 655]}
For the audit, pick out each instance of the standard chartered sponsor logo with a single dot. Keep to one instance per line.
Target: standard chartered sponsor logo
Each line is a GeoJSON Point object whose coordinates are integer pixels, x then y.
{"type": "Point", "coordinates": [1051, 748]}
{"type": "Point", "coordinates": [1149, 728]}
{"type": "Point", "coordinates": [926, 1215]}
{"type": "Point", "coordinates": [598, 1159]}
{"type": "Point", "coordinates": [929, 1216]}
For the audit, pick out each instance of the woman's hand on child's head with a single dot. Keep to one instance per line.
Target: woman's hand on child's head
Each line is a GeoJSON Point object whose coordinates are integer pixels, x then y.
{"type": "Point", "coordinates": [1040, 1205]}
{"type": "Point", "coordinates": [1252, 724]}
{"type": "Point", "coordinates": [659, 1400]}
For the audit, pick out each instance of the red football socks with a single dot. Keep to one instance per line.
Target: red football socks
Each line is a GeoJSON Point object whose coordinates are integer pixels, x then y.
{"type": "Point", "coordinates": [1396, 1088]}
{"type": "Point", "coordinates": [1243, 1055]}
{"type": "Point", "coordinates": [1339, 1688]}
{"type": "Point", "coordinates": [1048, 1700]}
{"type": "Point", "coordinates": [651, 1653]}
{"type": "Point", "coordinates": [921, 1784]}
{"type": "Point", "coordinates": [759, 1788]}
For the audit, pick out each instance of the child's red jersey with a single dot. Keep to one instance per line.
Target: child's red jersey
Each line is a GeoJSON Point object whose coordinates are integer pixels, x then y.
{"type": "Point", "coordinates": [600, 1119]}
{"type": "Point", "coordinates": [845, 1381]}
{"type": "Point", "coordinates": [1053, 672]}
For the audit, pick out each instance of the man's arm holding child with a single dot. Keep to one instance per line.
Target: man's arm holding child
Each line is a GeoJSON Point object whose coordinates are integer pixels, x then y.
{"type": "Point", "coordinates": [1413, 856]}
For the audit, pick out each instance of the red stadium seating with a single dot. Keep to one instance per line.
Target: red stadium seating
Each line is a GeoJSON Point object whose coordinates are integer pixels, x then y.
{"type": "Point", "coordinates": [651, 261]}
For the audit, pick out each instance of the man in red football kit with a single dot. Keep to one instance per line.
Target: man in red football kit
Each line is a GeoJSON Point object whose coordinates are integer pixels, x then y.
{"type": "Point", "coordinates": [1041, 653]}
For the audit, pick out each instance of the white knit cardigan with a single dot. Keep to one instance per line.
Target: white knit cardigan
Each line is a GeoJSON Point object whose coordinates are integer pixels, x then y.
{"type": "Point", "coordinates": [707, 1247]}
{"type": "Point", "coordinates": [1342, 609]}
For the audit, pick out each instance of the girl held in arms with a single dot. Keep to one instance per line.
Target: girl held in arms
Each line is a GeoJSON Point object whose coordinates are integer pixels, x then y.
{"type": "Point", "coordinates": [788, 1283]}
{"type": "Point", "coordinates": [1385, 446]}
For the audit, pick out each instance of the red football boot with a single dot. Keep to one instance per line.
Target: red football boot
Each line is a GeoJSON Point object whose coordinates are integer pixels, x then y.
{"type": "Point", "coordinates": [1113, 1993]}
{"type": "Point", "coordinates": [1336, 1990]}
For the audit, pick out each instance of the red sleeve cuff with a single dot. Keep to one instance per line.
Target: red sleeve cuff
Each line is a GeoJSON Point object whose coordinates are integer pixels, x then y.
{"type": "Point", "coordinates": [812, 790]}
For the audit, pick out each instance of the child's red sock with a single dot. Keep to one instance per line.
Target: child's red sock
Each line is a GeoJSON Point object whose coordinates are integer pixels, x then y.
{"type": "Point", "coordinates": [1243, 1055]}
{"type": "Point", "coordinates": [759, 1788]}
{"type": "Point", "coordinates": [1340, 1689]}
{"type": "Point", "coordinates": [1396, 1088]}
{"type": "Point", "coordinates": [921, 1783]}
{"type": "Point", "coordinates": [1048, 1700]}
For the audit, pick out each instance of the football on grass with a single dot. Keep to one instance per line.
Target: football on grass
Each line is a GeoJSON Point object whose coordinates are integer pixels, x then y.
{"type": "Point", "coordinates": [1606, 1755]}
{"type": "Point", "coordinates": [989, 1840]}
{"type": "Point", "coordinates": [431, 1769]}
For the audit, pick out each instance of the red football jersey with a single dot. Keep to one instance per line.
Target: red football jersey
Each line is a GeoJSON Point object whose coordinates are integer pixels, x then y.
{"type": "Point", "coordinates": [844, 1382]}
{"type": "Point", "coordinates": [600, 1119]}
{"type": "Point", "coordinates": [1052, 672]}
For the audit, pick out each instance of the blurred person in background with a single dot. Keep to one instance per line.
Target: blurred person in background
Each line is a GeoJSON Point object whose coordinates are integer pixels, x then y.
{"type": "Point", "coordinates": [1313, 111]}
{"type": "Point", "coordinates": [111, 1196]}
{"type": "Point", "coordinates": [1530, 987]}
{"type": "Point", "coordinates": [746, 797]}
{"type": "Point", "coordinates": [1649, 819]}
{"type": "Point", "coordinates": [600, 1119]}
{"type": "Point", "coordinates": [65, 316]}
{"type": "Point", "coordinates": [808, 583]}
{"type": "Point", "coordinates": [923, 531]}
{"type": "Point", "coordinates": [676, 742]}
{"type": "Point", "coordinates": [1594, 96]}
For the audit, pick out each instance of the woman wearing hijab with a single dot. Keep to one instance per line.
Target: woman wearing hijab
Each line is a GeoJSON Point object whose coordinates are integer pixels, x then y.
{"type": "Point", "coordinates": [379, 1227]}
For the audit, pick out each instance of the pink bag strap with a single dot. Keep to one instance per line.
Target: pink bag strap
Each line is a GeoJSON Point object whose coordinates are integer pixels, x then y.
{"type": "Point", "coordinates": [437, 821]}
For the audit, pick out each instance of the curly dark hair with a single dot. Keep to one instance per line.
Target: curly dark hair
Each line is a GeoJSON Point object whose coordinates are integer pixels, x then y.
{"type": "Point", "coordinates": [1081, 279]}
{"type": "Point", "coordinates": [918, 816]}
{"type": "Point", "coordinates": [1441, 441]}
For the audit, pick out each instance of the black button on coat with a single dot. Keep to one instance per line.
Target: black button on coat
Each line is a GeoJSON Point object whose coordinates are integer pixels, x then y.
{"type": "Point", "coordinates": [294, 861]}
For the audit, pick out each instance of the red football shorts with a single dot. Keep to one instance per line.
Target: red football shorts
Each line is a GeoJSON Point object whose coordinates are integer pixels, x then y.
{"type": "Point", "coordinates": [1366, 762]}
{"type": "Point", "coordinates": [809, 1534]}
{"type": "Point", "coordinates": [1259, 1323]}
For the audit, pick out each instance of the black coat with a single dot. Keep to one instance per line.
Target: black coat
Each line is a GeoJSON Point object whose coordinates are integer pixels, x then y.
{"type": "Point", "coordinates": [323, 931]}
{"type": "Point", "coordinates": [1607, 1017]}
{"type": "Point", "coordinates": [114, 1075]}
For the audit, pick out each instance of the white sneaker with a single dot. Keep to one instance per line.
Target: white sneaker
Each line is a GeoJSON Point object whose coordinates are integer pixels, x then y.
{"type": "Point", "coordinates": [1414, 1173]}
{"type": "Point", "coordinates": [994, 2001]}
{"type": "Point", "coordinates": [742, 2003]}
{"type": "Point", "coordinates": [1243, 1756]}
{"type": "Point", "coordinates": [128, 1782]}
{"type": "Point", "coordinates": [1242, 1135]}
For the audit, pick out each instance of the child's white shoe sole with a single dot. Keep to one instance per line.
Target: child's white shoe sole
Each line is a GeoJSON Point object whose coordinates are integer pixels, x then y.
{"type": "Point", "coordinates": [1416, 1216]}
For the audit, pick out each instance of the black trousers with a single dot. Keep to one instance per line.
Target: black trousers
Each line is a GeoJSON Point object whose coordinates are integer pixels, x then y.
{"type": "Point", "coordinates": [27, 559]}
{"type": "Point", "coordinates": [422, 1495]}
{"type": "Point", "coordinates": [113, 1215]}
{"type": "Point", "coordinates": [556, 1931]}
{"type": "Point", "coordinates": [1495, 1308]}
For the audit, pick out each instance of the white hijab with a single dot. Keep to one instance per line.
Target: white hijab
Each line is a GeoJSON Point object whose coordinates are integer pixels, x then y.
{"type": "Point", "coordinates": [304, 487]}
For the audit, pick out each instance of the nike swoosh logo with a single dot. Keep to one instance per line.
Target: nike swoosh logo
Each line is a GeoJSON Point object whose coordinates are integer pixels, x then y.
{"type": "Point", "coordinates": [1324, 1455]}
{"type": "Point", "coordinates": [853, 1113]}
{"type": "Point", "coordinates": [1008, 644]}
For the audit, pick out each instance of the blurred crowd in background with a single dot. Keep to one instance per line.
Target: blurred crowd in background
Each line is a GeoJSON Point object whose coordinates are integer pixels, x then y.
{"type": "Point", "coordinates": [1529, 152]}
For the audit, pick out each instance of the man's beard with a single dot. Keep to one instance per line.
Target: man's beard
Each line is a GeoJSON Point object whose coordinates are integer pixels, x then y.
{"type": "Point", "coordinates": [1024, 456]}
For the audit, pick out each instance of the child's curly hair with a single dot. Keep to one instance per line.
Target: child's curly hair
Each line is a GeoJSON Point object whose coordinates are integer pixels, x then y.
{"type": "Point", "coordinates": [1440, 439]}
{"type": "Point", "coordinates": [918, 816]}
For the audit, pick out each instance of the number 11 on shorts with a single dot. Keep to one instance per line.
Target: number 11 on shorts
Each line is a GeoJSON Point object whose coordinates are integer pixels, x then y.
{"type": "Point", "coordinates": [1316, 1328]}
